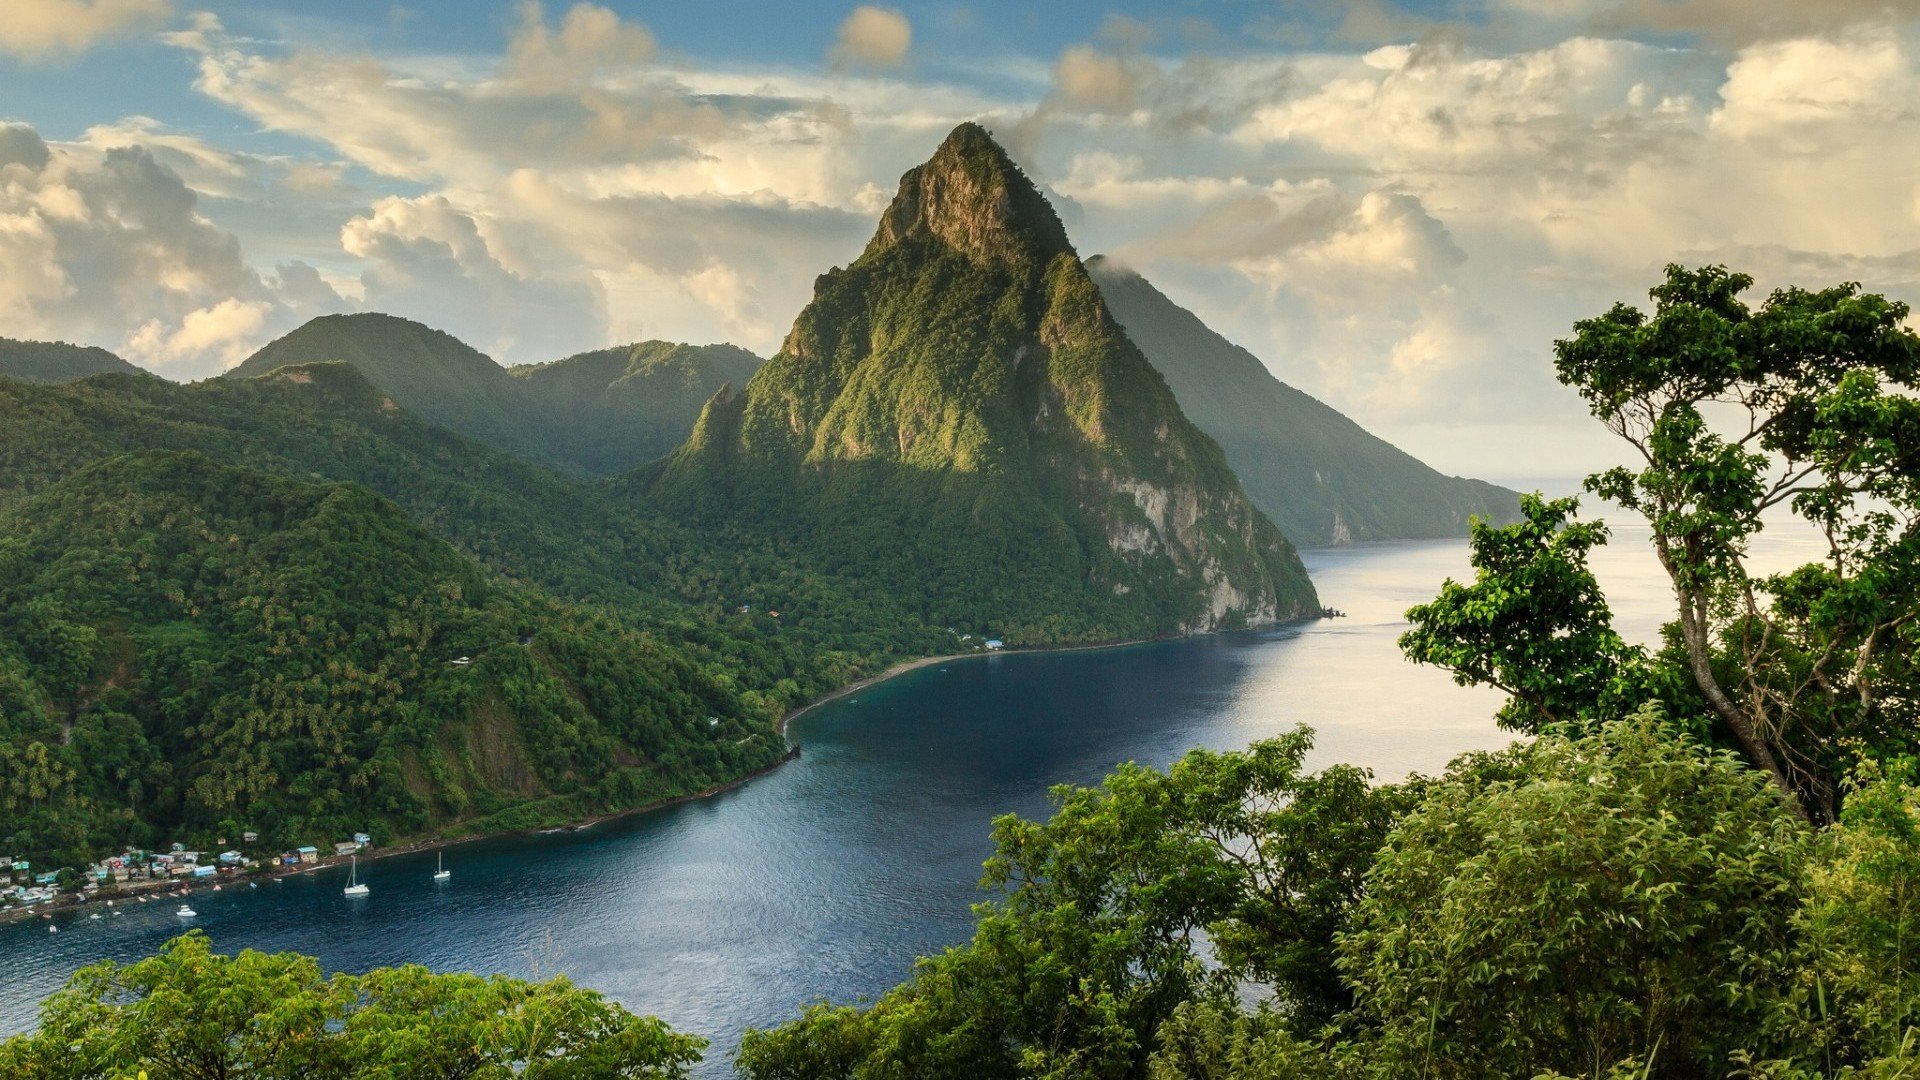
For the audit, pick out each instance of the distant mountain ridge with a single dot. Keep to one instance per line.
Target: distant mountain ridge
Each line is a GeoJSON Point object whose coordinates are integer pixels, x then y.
{"type": "Point", "coordinates": [1322, 478]}
{"type": "Point", "coordinates": [957, 415]}
{"type": "Point", "coordinates": [57, 361]}
{"type": "Point", "coordinates": [599, 413]}
{"type": "Point", "coordinates": [612, 409]}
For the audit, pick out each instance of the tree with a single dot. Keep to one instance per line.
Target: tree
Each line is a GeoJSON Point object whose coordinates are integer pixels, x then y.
{"type": "Point", "coordinates": [1534, 623]}
{"type": "Point", "coordinates": [194, 1014]}
{"type": "Point", "coordinates": [1804, 403]}
{"type": "Point", "coordinates": [1097, 937]}
{"type": "Point", "coordinates": [1573, 903]}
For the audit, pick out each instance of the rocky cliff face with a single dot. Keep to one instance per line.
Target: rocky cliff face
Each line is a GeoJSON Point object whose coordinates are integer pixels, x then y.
{"type": "Point", "coordinates": [960, 398]}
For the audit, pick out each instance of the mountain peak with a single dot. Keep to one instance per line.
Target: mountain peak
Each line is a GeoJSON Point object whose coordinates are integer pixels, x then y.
{"type": "Point", "coordinates": [971, 197]}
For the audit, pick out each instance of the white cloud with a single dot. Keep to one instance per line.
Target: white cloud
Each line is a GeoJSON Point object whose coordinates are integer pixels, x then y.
{"type": "Point", "coordinates": [1086, 78]}
{"type": "Point", "coordinates": [590, 40]}
{"type": "Point", "coordinates": [223, 333]}
{"type": "Point", "coordinates": [40, 28]}
{"type": "Point", "coordinates": [427, 259]}
{"type": "Point", "coordinates": [108, 247]}
{"type": "Point", "coordinates": [872, 36]}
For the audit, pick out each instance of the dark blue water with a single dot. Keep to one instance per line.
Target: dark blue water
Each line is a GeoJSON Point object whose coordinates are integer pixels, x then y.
{"type": "Point", "coordinates": [825, 878]}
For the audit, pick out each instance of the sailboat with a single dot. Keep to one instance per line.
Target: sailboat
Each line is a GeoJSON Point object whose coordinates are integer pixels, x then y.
{"type": "Point", "coordinates": [442, 873]}
{"type": "Point", "coordinates": [354, 888]}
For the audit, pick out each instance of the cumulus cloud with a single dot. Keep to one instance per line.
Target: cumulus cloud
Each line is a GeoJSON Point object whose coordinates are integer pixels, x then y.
{"type": "Point", "coordinates": [109, 247]}
{"type": "Point", "coordinates": [35, 29]}
{"type": "Point", "coordinates": [660, 199]}
{"type": "Point", "coordinates": [1086, 78]}
{"type": "Point", "coordinates": [873, 37]}
{"type": "Point", "coordinates": [426, 258]}
{"type": "Point", "coordinates": [590, 39]}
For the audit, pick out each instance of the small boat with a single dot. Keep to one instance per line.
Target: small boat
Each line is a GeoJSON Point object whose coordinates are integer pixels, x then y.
{"type": "Point", "coordinates": [186, 912]}
{"type": "Point", "coordinates": [354, 888]}
{"type": "Point", "coordinates": [442, 873]}
{"type": "Point", "coordinates": [53, 929]}
{"type": "Point", "coordinates": [95, 917]}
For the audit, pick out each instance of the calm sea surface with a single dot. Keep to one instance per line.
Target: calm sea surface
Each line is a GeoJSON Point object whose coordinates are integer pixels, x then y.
{"type": "Point", "coordinates": [826, 878]}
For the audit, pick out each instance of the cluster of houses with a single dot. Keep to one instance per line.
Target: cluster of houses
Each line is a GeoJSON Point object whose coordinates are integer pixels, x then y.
{"type": "Point", "coordinates": [24, 885]}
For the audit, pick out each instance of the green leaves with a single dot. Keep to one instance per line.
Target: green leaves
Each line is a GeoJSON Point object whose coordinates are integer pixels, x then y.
{"type": "Point", "coordinates": [1149, 892]}
{"type": "Point", "coordinates": [192, 1013]}
{"type": "Point", "coordinates": [1534, 624]}
{"type": "Point", "coordinates": [1808, 402]}
{"type": "Point", "coordinates": [1576, 901]}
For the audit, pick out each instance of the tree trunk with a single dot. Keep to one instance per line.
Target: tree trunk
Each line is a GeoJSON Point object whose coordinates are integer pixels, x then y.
{"type": "Point", "coordinates": [1693, 631]}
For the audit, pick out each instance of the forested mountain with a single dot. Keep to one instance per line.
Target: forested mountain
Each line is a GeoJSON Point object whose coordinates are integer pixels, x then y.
{"type": "Point", "coordinates": [611, 410]}
{"type": "Point", "coordinates": [1321, 477]}
{"type": "Point", "coordinates": [426, 371]}
{"type": "Point", "coordinates": [282, 621]}
{"type": "Point", "coordinates": [57, 361]}
{"type": "Point", "coordinates": [597, 413]}
{"type": "Point", "coordinates": [956, 416]}
{"type": "Point", "coordinates": [194, 648]}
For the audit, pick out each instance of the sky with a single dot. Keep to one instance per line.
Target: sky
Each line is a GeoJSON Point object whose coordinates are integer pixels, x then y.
{"type": "Point", "coordinates": [1397, 206]}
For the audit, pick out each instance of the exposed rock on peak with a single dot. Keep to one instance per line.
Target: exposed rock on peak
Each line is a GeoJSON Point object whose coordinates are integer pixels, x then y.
{"type": "Point", "coordinates": [971, 197]}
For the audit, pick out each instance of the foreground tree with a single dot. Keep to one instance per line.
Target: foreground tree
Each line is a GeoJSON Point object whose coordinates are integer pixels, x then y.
{"type": "Point", "coordinates": [1534, 624]}
{"type": "Point", "coordinates": [1803, 405]}
{"type": "Point", "coordinates": [1812, 397]}
{"type": "Point", "coordinates": [1097, 938]}
{"type": "Point", "coordinates": [194, 1014]}
{"type": "Point", "coordinates": [1573, 903]}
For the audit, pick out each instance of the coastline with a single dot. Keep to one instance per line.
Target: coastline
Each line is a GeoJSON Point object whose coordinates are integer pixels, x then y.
{"type": "Point", "coordinates": [182, 888]}
{"type": "Point", "coordinates": [905, 666]}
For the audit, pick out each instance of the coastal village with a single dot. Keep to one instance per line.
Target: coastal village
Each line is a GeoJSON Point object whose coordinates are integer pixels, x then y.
{"type": "Point", "coordinates": [136, 873]}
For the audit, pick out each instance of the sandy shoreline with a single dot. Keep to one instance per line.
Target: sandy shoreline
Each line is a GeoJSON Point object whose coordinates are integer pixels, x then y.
{"type": "Point", "coordinates": [185, 887]}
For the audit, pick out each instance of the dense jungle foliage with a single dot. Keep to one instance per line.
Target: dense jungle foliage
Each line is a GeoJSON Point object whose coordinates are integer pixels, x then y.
{"type": "Point", "coordinates": [194, 650]}
{"type": "Point", "coordinates": [190, 649]}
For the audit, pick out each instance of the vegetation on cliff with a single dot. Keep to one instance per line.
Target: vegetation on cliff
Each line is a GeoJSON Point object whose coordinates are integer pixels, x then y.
{"type": "Point", "coordinates": [957, 418]}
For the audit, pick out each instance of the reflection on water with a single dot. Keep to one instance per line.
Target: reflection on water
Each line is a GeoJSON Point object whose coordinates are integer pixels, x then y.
{"type": "Point", "coordinates": [826, 878]}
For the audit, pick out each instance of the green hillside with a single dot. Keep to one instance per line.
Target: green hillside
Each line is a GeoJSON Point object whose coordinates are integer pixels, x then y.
{"type": "Point", "coordinates": [426, 371]}
{"type": "Point", "coordinates": [1321, 477]}
{"type": "Point", "coordinates": [957, 417]}
{"type": "Point", "coordinates": [596, 413]}
{"type": "Point", "coordinates": [550, 552]}
{"type": "Point", "coordinates": [57, 361]}
{"type": "Point", "coordinates": [611, 410]}
{"type": "Point", "coordinates": [193, 648]}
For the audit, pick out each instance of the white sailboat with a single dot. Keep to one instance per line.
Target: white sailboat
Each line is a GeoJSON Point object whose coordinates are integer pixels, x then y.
{"type": "Point", "coordinates": [442, 873]}
{"type": "Point", "coordinates": [354, 888]}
